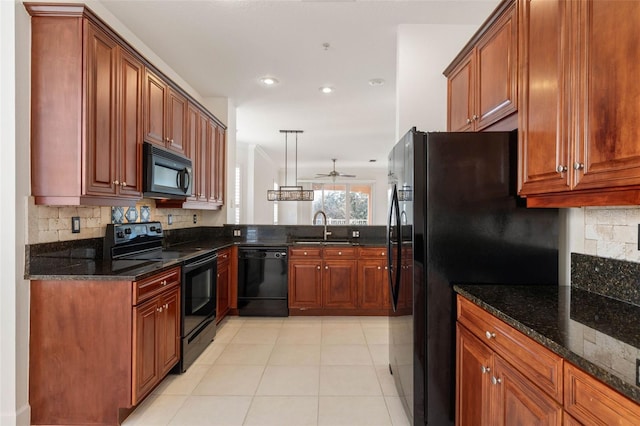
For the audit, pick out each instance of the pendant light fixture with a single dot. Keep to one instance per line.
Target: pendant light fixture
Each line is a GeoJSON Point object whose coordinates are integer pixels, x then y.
{"type": "Point", "coordinates": [290, 193]}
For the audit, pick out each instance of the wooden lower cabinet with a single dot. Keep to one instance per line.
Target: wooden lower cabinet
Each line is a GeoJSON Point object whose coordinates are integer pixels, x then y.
{"type": "Point", "coordinates": [157, 340]}
{"type": "Point", "coordinates": [498, 383]}
{"type": "Point", "coordinates": [339, 284]}
{"type": "Point", "coordinates": [338, 281]}
{"type": "Point", "coordinates": [492, 392]}
{"type": "Point", "coordinates": [305, 284]}
{"type": "Point", "coordinates": [591, 402]}
{"type": "Point", "coordinates": [223, 284]}
{"type": "Point", "coordinates": [96, 348]}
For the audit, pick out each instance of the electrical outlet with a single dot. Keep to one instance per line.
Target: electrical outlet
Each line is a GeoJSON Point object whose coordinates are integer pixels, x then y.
{"type": "Point", "coordinates": [195, 218]}
{"type": "Point", "coordinates": [637, 372]}
{"type": "Point", "coordinates": [639, 236]}
{"type": "Point", "coordinates": [237, 233]}
{"type": "Point", "coordinates": [355, 234]}
{"type": "Point", "coordinates": [170, 219]}
{"type": "Point", "coordinates": [75, 225]}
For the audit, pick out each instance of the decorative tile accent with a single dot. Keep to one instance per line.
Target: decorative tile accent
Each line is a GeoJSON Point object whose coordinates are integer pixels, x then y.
{"type": "Point", "coordinates": [132, 214]}
{"type": "Point", "coordinates": [145, 213]}
{"type": "Point", "coordinates": [117, 214]}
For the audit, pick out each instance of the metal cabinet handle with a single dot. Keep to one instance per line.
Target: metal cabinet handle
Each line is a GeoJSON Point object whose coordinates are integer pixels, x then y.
{"type": "Point", "coordinates": [490, 335]}
{"type": "Point", "coordinates": [166, 306]}
{"type": "Point", "coordinates": [159, 309]}
{"type": "Point", "coordinates": [468, 121]}
{"type": "Point", "coordinates": [379, 268]}
{"type": "Point", "coordinates": [116, 182]}
{"type": "Point", "coordinates": [475, 117]}
{"type": "Point", "coordinates": [305, 253]}
{"type": "Point", "coordinates": [484, 369]}
{"type": "Point", "coordinates": [171, 141]}
{"type": "Point", "coordinates": [578, 166]}
{"type": "Point", "coordinates": [339, 253]}
{"type": "Point", "coordinates": [495, 380]}
{"type": "Point", "coordinates": [561, 168]}
{"type": "Point", "coordinates": [326, 267]}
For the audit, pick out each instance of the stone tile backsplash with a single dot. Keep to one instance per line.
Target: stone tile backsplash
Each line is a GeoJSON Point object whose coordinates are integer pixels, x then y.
{"type": "Point", "coordinates": [48, 224]}
{"type": "Point", "coordinates": [612, 232]}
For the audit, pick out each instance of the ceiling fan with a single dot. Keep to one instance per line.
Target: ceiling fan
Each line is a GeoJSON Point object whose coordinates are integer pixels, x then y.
{"type": "Point", "coordinates": [333, 174]}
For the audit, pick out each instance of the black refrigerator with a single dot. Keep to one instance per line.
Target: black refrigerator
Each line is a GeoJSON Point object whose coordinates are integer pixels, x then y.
{"type": "Point", "coordinates": [454, 218]}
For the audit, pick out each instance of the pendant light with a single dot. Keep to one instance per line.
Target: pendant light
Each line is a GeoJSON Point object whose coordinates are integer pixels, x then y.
{"type": "Point", "coordinates": [290, 193]}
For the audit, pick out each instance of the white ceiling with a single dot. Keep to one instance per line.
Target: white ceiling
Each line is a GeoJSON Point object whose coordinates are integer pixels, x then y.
{"type": "Point", "coordinates": [222, 48]}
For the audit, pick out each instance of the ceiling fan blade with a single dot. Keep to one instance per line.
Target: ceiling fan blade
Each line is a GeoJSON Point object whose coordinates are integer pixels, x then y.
{"type": "Point", "coordinates": [346, 175]}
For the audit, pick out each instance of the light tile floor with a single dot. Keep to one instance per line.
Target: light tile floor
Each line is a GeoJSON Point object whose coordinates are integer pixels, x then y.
{"type": "Point", "coordinates": [321, 371]}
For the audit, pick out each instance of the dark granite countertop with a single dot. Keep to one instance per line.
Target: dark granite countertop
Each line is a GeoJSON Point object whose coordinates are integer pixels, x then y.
{"type": "Point", "coordinates": [599, 334]}
{"type": "Point", "coordinates": [77, 265]}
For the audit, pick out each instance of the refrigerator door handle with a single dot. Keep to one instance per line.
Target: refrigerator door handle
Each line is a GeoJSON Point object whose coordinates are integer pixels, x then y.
{"type": "Point", "coordinates": [394, 271]}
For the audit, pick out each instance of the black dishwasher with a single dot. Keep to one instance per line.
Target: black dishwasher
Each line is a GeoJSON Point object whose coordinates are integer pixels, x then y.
{"type": "Point", "coordinates": [262, 281]}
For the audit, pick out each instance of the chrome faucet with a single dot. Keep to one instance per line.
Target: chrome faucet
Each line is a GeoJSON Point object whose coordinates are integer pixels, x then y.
{"type": "Point", "coordinates": [324, 215]}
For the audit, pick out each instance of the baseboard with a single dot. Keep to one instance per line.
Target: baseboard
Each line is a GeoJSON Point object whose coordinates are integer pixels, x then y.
{"type": "Point", "coordinates": [21, 417]}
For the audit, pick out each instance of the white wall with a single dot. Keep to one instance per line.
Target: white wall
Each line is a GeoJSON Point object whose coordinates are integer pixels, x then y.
{"type": "Point", "coordinates": [262, 173]}
{"type": "Point", "coordinates": [14, 182]}
{"type": "Point", "coordinates": [424, 51]}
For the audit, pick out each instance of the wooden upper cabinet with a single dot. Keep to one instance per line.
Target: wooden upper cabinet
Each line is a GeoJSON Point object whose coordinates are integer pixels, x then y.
{"type": "Point", "coordinates": [543, 138]}
{"type": "Point", "coordinates": [460, 97]}
{"type": "Point", "coordinates": [482, 83]}
{"type": "Point", "coordinates": [85, 111]}
{"type": "Point", "coordinates": [579, 103]}
{"type": "Point", "coordinates": [155, 109]}
{"type": "Point", "coordinates": [165, 114]}
{"type": "Point", "coordinates": [101, 70]}
{"type": "Point", "coordinates": [607, 151]}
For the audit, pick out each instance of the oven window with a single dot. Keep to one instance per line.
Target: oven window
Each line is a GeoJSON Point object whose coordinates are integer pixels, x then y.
{"type": "Point", "coordinates": [200, 296]}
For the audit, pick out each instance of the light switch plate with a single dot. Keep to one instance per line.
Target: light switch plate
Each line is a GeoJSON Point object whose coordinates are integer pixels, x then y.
{"type": "Point", "coordinates": [170, 219]}
{"type": "Point", "coordinates": [237, 233]}
{"type": "Point", "coordinates": [75, 225]}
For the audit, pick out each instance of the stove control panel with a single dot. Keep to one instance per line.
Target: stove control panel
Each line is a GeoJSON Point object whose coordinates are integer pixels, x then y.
{"type": "Point", "coordinates": [124, 238]}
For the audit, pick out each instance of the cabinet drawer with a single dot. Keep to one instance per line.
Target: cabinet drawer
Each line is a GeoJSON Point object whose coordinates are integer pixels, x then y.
{"type": "Point", "coordinates": [373, 252]}
{"type": "Point", "coordinates": [224, 255]}
{"type": "Point", "coordinates": [149, 287]}
{"type": "Point", "coordinates": [339, 252]}
{"type": "Point", "coordinates": [592, 402]}
{"type": "Point", "coordinates": [542, 366]}
{"type": "Point", "coordinates": [305, 252]}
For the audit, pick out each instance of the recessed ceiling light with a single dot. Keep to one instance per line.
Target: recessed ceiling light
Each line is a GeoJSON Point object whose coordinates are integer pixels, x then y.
{"type": "Point", "coordinates": [268, 81]}
{"type": "Point", "coordinates": [376, 82]}
{"type": "Point", "coordinates": [326, 89]}
{"type": "Point", "coordinates": [372, 161]}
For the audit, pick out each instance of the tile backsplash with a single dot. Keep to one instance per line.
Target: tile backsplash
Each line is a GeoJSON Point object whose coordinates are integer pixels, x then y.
{"type": "Point", "coordinates": [47, 224]}
{"type": "Point", "coordinates": [612, 232]}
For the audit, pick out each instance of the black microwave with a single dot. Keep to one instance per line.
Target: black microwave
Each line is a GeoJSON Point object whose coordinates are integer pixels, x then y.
{"type": "Point", "coordinates": [166, 174]}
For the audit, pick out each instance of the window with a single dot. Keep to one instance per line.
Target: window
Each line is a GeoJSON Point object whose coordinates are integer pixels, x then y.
{"type": "Point", "coordinates": [275, 206]}
{"type": "Point", "coordinates": [344, 204]}
{"type": "Point", "coordinates": [237, 196]}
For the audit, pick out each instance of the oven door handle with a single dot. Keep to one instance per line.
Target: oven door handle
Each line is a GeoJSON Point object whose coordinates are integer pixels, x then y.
{"type": "Point", "coordinates": [209, 259]}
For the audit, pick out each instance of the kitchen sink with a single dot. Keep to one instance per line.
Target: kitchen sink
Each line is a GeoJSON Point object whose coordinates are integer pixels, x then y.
{"type": "Point", "coordinates": [323, 243]}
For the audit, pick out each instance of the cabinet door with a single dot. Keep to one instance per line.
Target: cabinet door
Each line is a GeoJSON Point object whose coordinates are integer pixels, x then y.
{"type": "Point", "coordinates": [155, 107]}
{"type": "Point", "coordinates": [129, 125]}
{"type": "Point", "coordinates": [192, 148]}
{"type": "Point", "coordinates": [145, 338]}
{"type": "Point", "coordinates": [460, 96]}
{"type": "Point", "coordinates": [474, 363]}
{"type": "Point", "coordinates": [373, 289]}
{"type": "Point", "coordinates": [100, 157]}
{"type": "Point", "coordinates": [305, 287]}
{"type": "Point", "coordinates": [222, 295]}
{"type": "Point", "coordinates": [497, 71]}
{"type": "Point", "coordinates": [517, 401]}
{"type": "Point", "coordinates": [608, 152]}
{"type": "Point", "coordinates": [202, 162]}
{"type": "Point", "coordinates": [339, 279]}
{"type": "Point", "coordinates": [542, 116]}
{"type": "Point", "coordinates": [175, 122]}
{"type": "Point", "coordinates": [211, 161]}
{"type": "Point", "coordinates": [169, 330]}
{"type": "Point", "coordinates": [221, 168]}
